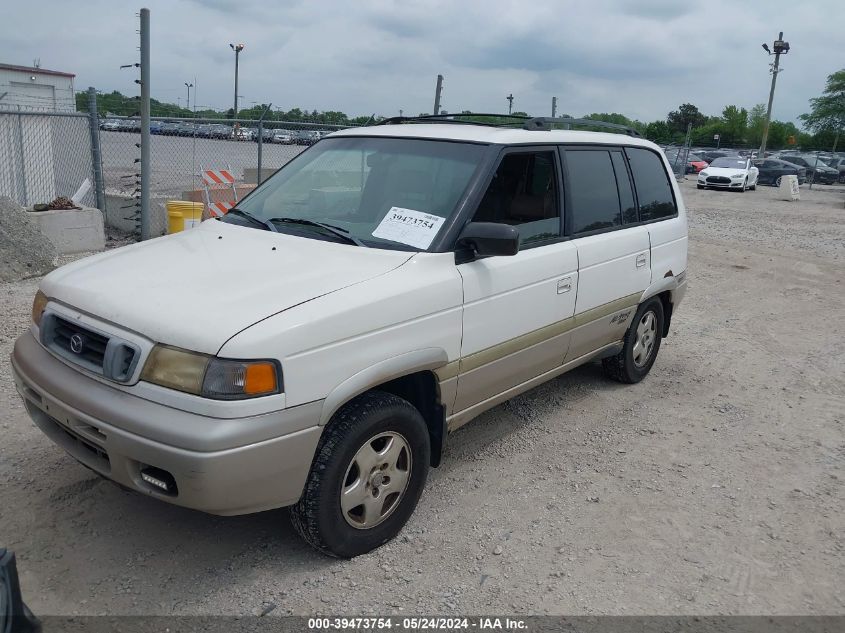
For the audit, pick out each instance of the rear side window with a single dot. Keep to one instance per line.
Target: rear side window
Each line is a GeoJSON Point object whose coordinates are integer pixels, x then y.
{"type": "Point", "coordinates": [626, 194]}
{"type": "Point", "coordinates": [654, 192]}
{"type": "Point", "coordinates": [593, 197]}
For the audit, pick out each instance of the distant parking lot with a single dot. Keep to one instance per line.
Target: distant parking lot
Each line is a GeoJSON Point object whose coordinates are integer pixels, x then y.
{"type": "Point", "coordinates": [177, 160]}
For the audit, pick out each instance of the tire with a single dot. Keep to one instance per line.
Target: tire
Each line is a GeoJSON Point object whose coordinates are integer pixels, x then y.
{"type": "Point", "coordinates": [374, 429]}
{"type": "Point", "coordinates": [777, 181]}
{"type": "Point", "coordinates": [624, 367]}
{"type": "Point", "coordinates": [753, 187]}
{"type": "Point", "coordinates": [700, 186]}
{"type": "Point", "coordinates": [744, 187]}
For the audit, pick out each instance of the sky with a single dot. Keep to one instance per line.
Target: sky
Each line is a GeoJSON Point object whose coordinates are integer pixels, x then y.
{"type": "Point", "coordinates": [641, 58]}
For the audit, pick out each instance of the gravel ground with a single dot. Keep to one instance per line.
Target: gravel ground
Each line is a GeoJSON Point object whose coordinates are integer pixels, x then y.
{"type": "Point", "coordinates": [714, 486]}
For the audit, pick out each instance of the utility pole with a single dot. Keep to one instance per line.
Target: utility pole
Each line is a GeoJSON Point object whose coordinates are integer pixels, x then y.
{"type": "Point", "coordinates": [554, 106]}
{"type": "Point", "coordinates": [237, 48]}
{"type": "Point", "coordinates": [780, 47]}
{"type": "Point", "coordinates": [188, 102]}
{"type": "Point", "coordinates": [510, 103]}
{"type": "Point", "coordinates": [437, 92]}
{"type": "Point", "coordinates": [146, 167]}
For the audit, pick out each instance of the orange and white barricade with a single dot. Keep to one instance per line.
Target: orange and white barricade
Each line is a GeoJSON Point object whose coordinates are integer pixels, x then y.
{"type": "Point", "coordinates": [217, 180]}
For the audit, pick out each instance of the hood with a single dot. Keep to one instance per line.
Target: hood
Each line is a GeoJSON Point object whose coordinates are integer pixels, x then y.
{"type": "Point", "coordinates": [724, 171]}
{"type": "Point", "coordinates": [198, 288]}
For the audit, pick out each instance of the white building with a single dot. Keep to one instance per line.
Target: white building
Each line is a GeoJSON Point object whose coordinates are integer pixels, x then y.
{"type": "Point", "coordinates": [36, 89]}
{"type": "Point", "coordinates": [41, 156]}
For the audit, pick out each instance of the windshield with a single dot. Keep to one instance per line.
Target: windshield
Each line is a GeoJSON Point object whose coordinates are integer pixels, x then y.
{"type": "Point", "coordinates": [381, 192]}
{"type": "Point", "coordinates": [734, 162]}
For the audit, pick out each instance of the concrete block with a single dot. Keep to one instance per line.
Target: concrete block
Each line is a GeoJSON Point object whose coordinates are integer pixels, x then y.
{"type": "Point", "coordinates": [72, 230]}
{"type": "Point", "coordinates": [120, 213]}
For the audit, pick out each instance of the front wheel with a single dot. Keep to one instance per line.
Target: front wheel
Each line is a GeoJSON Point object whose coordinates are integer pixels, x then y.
{"type": "Point", "coordinates": [642, 342]}
{"type": "Point", "coordinates": [368, 474]}
{"type": "Point", "coordinates": [778, 181]}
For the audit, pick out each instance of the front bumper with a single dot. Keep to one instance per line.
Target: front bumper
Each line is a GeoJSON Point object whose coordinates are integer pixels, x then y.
{"type": "Point", "coordinates": [218, 465]}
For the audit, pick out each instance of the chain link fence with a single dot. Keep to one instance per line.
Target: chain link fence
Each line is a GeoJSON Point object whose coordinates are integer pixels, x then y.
{"type": "Point", "coordinates": [181, 149]}
{"type": "Point", "coordinates": [44, 155]}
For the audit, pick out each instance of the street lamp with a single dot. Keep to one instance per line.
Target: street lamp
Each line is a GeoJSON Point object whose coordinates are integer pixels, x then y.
{"type": "Point", "coordinates": [237, 48]}
{"type": "Point", "coordinates": [188, 102]}
{"type": "Point", "coordinates": [780, 48]}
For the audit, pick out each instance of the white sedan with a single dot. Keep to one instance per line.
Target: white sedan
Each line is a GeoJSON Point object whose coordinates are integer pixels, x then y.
{"type": "Point", "coordinates": [729, 172]}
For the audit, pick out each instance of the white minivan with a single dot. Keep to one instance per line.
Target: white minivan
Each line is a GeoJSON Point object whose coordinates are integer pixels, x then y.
{"type": "Point", "coordinates": [314, 347]}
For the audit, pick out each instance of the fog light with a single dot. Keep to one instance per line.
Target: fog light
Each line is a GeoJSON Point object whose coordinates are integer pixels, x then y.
{"type": "Point", "coordinates": [160, 479]}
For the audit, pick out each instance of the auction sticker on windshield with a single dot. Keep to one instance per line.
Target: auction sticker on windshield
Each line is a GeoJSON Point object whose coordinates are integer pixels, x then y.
{"type": "Point", "coordinates": [407, 226]}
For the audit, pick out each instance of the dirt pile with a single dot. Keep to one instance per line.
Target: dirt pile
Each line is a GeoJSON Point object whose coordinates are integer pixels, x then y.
{"type": "Point", "coordinates": [24, 251]}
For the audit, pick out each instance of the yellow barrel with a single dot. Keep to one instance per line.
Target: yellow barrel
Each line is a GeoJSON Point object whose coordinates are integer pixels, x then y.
{"type": "Point", "coordinates": [183, 214]}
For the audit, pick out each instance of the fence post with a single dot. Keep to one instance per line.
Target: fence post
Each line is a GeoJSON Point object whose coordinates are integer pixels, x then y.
{"type": "Point", "coordinates": [260, 147]}
{"type": "Point", "coordinates": [261, 142]}
{"type": "Point", "coordinates": [146, 167]}
{"type": "Point", "coordinates": [21, 161]}
{"type": "Point", "coordinates": [96, 152]}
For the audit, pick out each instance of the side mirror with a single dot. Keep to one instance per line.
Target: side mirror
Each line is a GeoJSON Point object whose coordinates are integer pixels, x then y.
{"type": "Point", "coordinates": [14, 615]}
{"type": "Point", "coordinates": [487, 239]}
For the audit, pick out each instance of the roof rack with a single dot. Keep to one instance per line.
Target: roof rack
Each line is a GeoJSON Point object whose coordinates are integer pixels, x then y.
{"type": "Point", "coordinates": [545, 123]}
{"type": "Point", "coordinates": [526, 122]}
{"type": "Point", "coordinates": [457, 117]}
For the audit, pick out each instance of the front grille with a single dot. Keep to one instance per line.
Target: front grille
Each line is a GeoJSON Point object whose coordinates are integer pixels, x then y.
{"type": "Point", "coordinates": [109, 356]}
{"type": "Point", "coordinates": [93, 344]}
{"type": "Point", "coordinates": [721, 180]}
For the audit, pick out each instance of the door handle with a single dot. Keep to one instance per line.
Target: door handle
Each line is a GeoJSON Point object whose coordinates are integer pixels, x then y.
{"type": "Point", "coordinates": [641, 260]}
{"type": "Point", "coordinates": [564, 285]}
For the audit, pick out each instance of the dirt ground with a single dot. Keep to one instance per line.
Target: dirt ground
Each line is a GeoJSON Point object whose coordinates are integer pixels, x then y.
{"type": "Point", "coordinates": [715, 486]}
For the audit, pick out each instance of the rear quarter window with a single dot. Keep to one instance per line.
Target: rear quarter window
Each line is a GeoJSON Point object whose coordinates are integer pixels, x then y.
{"type": "Point", "coordinates": [654, 191]}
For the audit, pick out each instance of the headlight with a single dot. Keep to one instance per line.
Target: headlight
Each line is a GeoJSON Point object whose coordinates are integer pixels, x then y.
{"type": "Point", "coordinates": [738, 176]}
{"type": "Point", "coordinates": [211, 377]}
{"type": "Point", "coordinates": [702, 173]}
{"type": "Point", "coordinates": [38, 305]}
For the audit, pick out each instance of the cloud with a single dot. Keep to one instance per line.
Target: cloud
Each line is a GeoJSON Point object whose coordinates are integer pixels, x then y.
{"type": "Point", "coordinates": [640, 58]}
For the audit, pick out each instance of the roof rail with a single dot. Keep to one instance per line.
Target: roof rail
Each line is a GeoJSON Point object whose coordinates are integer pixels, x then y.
{"type": "Point", "coordinates": [545, 123]}
{"type": "Point", "coordinates": [456, 117]}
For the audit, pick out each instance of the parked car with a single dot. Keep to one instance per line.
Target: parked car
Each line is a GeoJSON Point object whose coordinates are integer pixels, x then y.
{"type": "Point", "coordinates": [729, 172]}
{"type": "Point", "coordinates": [186, 129]}
{"type": "Point", "coordinates": [837, 163]}
{"type": "Point", "coordinates": [155, 127]}
{"type": "Point", "coordinates": [242, 134]}
{"type": "Point", "coordinates": [772, 170]}
{"type": "Point", "coordinates": [674, 154]}
{"type": "Point", "coordinates": [711, 155]}
{"type": "Point", "coordinates": [284, 137]}
{"type": "Point", "coordinates": [221, 130]}
{"type": "Point", "coordinates": [169, 128]}
{"type": "Point", "coordinates": [129, 125]}
{"type": "Point", "coordinates": [204, 130]}
{"type": "Point", "coordinates": [112, 125]}
{"type": "Point", "coordinates": [357, 320]}
{"type": "Point", "coordinates": [817, 171]}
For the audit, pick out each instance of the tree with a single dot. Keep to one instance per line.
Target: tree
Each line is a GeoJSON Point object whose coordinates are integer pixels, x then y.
{"type": "Point", "coordinates": [735, 122]}
{"type": "Point", "coordinates": [756, 125]}
{"type": "Point", "coordinates": [679, 119]}
{"type": "Point", "coordinates": [827, 112]}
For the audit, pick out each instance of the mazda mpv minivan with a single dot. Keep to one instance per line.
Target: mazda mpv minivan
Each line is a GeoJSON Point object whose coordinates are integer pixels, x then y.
{"type": "Point", "coordinates": [382, 289]}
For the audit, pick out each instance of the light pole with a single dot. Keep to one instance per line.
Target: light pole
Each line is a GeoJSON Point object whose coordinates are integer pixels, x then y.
{"type": "Point", "coordinates": [188, 101]}
{"type": "Point", "coordinates": [510, 103]}
{"type": "Point", "coordinates": [780, 47]}
{"type": "Point", "coordinates": [237, 48]}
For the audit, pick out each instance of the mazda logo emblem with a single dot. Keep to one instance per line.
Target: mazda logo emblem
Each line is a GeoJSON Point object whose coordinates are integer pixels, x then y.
{"type": "Point", "coordinates": [77, 343]}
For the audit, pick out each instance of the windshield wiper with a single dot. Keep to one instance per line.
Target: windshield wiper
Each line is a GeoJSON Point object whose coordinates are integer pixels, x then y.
{"type": "Point", "coordinates": [334, 230]}
{"type": "Point", "coordinates": [265, 223]}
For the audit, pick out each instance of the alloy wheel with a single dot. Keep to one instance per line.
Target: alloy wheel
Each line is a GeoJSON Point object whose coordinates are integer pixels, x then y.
{"type": "Point", "coordinates": [376, 480]}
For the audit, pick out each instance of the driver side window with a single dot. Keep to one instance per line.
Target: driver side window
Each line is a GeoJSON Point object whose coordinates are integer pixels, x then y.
{"type": "Point", "coordinates": [524, 193]}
